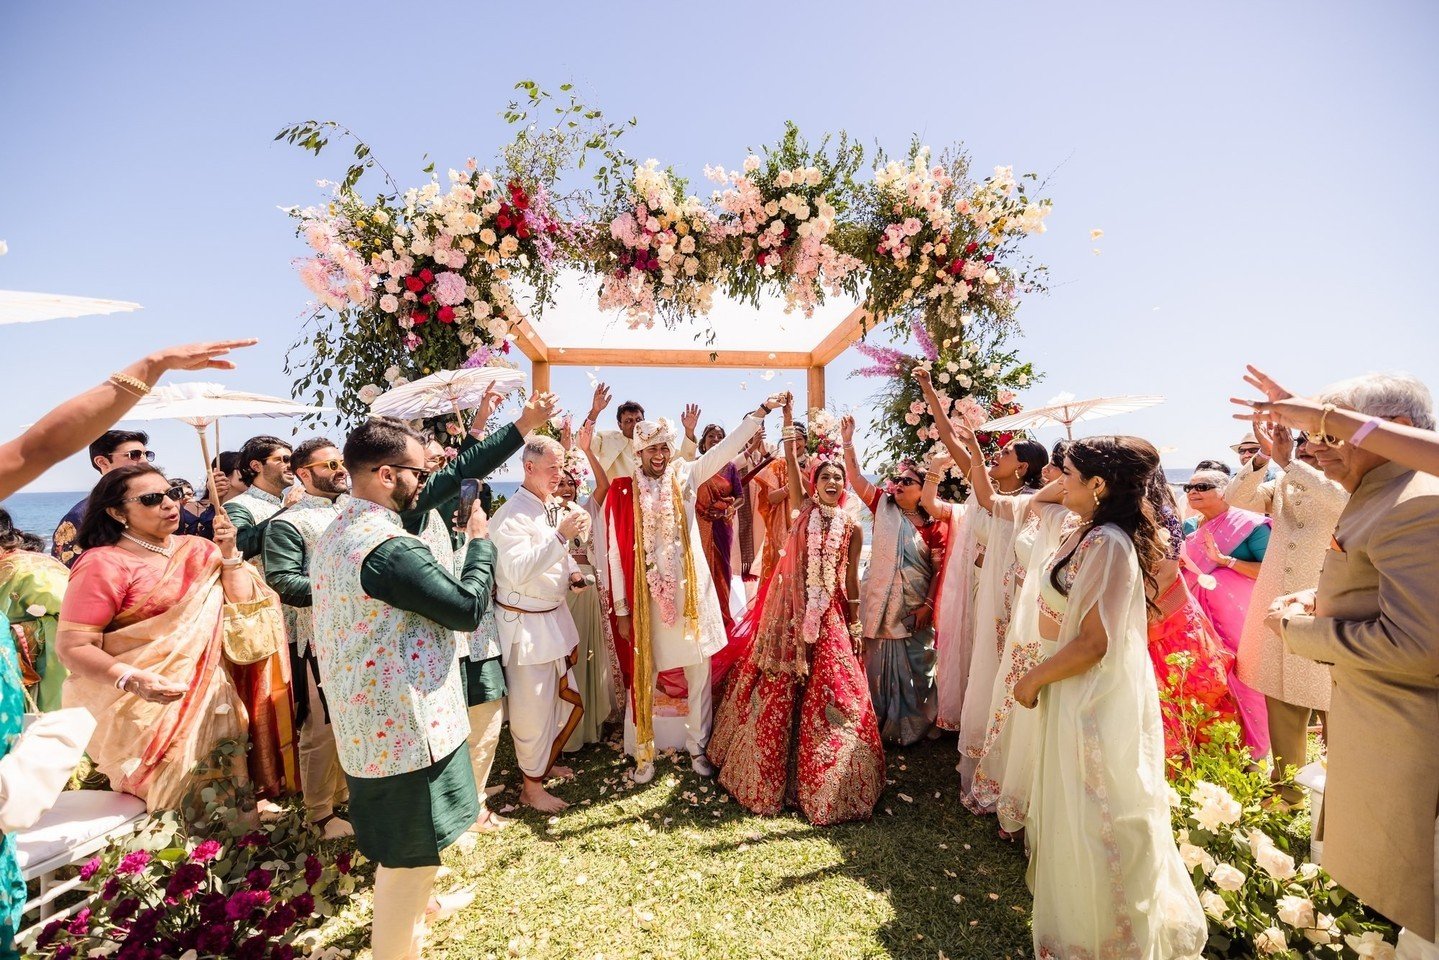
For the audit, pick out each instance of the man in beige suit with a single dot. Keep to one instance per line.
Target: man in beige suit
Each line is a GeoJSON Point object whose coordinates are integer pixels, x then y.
{"type": "Point", "coordinates": [1375, 621]}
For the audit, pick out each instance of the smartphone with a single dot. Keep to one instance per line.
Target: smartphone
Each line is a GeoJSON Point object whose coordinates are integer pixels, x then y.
{"type": "Point", "coordinates": [469, 494]}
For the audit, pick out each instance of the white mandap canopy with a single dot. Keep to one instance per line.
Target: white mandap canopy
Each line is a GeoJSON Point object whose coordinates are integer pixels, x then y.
{"type": "Point", "coordinates": [575, 332]}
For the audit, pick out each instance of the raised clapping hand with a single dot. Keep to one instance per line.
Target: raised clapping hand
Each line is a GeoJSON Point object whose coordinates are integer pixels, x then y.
{"type": "Point", "coordinates": [922, 376]}
{"type": "Point", "coordinates": [574, 525]}
{"type": "Point", "coordinates": [846, 429]}
{"type": "Point", "coordinates": [586, 436]}
{"type": "Point", "coordinates": [1281, 445]}
{"type": "Point", "coordinates": [489, 403]}
{"type": "Point", "coordinates": [1211, 549]}
{"type": "Point", "coordinates": [690, 418]}
{"type": "Point", "coordinates": [600, 402]}
{"type": "Point", "coordinates": [541, 408]}
{"type": "Point", "coordinates": [1278, 406]}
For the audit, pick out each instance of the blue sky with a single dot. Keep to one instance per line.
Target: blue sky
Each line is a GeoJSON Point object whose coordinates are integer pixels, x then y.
{"type": "Point", "coordinates": [1264, 173]}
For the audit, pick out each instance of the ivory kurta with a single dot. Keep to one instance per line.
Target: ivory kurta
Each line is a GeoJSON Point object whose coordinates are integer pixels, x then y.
{"type": "Point", "coordinates": [617, 454]}
{"type": "Point", "coordinates": [673, 647]}
{"type": "Point", "coordinates": [1304, 506]}
{"type": "Point", "coordinates": [1376, 624]}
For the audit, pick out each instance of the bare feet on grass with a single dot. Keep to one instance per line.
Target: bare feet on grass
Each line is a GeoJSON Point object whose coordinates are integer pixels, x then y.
{"type": "Point", "coordinates": [534, 795]}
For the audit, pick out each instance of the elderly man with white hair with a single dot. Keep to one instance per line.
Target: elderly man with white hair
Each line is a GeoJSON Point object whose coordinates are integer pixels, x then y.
{"type": "Point", "coordinates": [663, 604]}
{"type": "Point", "coordinates": [532, 533]}
{"type": "Point", "coordinates": [1375, 621]}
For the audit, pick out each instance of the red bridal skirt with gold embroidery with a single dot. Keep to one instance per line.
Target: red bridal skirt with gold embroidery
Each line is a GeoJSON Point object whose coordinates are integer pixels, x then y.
{"type": "Point", "coordinates": [783, 739]}
{"type": "Point", "coordinates": [1191, 665]}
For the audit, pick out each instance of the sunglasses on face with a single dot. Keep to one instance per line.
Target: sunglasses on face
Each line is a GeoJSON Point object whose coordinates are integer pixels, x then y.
{"type": "Point", "coordinates": [1248, 450]}
{"type": "Point", "coordinates": [135, 456]}
{"type": "Point", "coordinates": [155, 499]}
{"type": "Point", "coordinates": [278, 458]}
{"type": "Point", "coordinates": [906, 482]}
{"type": "Point", "coordinates": [421, 474]}
{"type": "Point", "coordinates": [331, 465]}
{"type": "Point", "coordinates": [1198, 487]}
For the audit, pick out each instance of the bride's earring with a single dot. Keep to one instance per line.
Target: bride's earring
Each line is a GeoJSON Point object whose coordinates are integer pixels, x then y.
{"type": "Point", "coordinates": [1095, 493]}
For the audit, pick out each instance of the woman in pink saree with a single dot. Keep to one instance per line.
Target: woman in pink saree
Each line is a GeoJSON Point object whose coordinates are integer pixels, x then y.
{"type": "Point", "coordinates": [796, 726]}
{"type": "Point", "coordinates": [141, 632]}
{"type": "Point", "coordinates": [1223, 548]}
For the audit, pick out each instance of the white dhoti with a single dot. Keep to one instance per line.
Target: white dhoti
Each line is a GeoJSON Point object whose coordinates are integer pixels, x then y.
{"type": "Point", "coordinates": [545, 708]}
{"type": "Point", "coordinates": [699, 721]}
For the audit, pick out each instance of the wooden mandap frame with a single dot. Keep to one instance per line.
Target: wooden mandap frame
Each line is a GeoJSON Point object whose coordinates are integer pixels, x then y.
{"type": "Point", "coordinates": [542, 356]}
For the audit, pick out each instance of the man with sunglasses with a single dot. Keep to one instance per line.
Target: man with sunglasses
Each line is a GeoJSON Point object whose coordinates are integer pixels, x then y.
{"type": "Point", "coordinates": [114, 448]}
{"type": "Point", "coordinates": [387, 622]}
{"type": "Point", "coordinates": [289, 543]}
{"type": "Point", "coordinates": [265, 466]}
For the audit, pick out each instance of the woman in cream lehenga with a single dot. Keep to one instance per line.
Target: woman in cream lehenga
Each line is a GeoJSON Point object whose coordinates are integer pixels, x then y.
{"type": "Point", "coordinates": [142, 632]}
{"type": "Point", "coordinates": [1106, 874]}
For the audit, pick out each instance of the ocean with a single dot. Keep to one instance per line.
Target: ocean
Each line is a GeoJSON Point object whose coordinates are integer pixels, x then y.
{"type": "Point", "coordinates": [40, 513]}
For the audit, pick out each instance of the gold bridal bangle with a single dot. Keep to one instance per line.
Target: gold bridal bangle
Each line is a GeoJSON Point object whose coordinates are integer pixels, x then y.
{"type": "Point", "coordinates": [129, 384]}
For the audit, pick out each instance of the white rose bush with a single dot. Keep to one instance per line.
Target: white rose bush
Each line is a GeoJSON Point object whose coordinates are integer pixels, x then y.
{"type": "Point", "coordinates": [1247, 860]}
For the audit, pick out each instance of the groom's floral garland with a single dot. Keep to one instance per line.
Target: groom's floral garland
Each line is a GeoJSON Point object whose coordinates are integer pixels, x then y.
{"type": "Point", "coordinates": [658, 525]}
{"type": "Point", "coordinates": [416, 280]}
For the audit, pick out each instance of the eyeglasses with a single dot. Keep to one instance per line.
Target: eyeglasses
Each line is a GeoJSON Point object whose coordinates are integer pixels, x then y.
{"type": "Point", "coordinates": [1249, 450]}
{"type": "Point", "coordinates": [135, 456]}
{"type": "Point", "coordinates": [278, 458]}
{"type": "Point", "coordinates": [906, 482]}
{"type": "Point", "coordinates": [421, 474]}
{"type": "Point", "coordinates": [330, 465]}
{"type": "Point", "coordinates": [1198, 487]}
{"type": "Point", "coordinates": [155, 499]}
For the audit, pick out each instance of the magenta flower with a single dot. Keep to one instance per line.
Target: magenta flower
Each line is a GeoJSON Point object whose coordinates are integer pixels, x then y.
{"type": "Point", "coordinates": [260, 879]}
{"type": "Point", "coordinates": [91, 867]}
{"type": "Point", "coordinates": [124, 910]}
{"type": "Point", "coordinates": [206, 851]}
{"type": "Point", "coordinates": [134, 862]}
{"type": "Point", "coordinates": [110, 889]}
{"type": "Point", "coordinates": [313, 870]}
{"type": "Point", "coordinates": [80, 923]}
{"type": "Point", "coordinates": [279, 920]}
{"type": "Point", "coordinates": [185, 881]}
{"type": "Point", "coordinates": [304, 905]}
{"type": "Point", "coordinates": [246, 902]}
{"type": "Point", "coordinates": [343, 862]}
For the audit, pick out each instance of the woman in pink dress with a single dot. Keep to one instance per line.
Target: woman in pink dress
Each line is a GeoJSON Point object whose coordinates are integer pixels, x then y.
{"type": "Point", "coordinates": [796, 726]}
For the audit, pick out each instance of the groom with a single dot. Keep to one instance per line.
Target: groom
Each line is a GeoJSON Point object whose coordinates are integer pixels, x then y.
{"type": "Point", "coordinates": [662, 601]}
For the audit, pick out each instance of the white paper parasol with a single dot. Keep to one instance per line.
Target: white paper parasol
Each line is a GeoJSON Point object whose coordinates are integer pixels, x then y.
{"type": "Point", "coordinates": [201, 404]}
{"type": "Point", "coordinates": [446, 392]}
{"type": "Point", "coordinates": [19, 307]}
{"type": "Point", "coordinates": [1066, 410]}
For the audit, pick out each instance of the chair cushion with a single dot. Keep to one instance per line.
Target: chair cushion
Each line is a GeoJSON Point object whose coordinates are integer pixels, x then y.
{"type": "Point", "coordinates": [78, 817]}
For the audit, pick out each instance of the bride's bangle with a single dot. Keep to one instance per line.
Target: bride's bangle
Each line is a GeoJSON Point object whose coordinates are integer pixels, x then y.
{"type": "Point", "coordinates": [230, 563]}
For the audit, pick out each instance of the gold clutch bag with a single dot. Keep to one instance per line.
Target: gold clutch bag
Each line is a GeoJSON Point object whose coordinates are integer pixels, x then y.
{"type": "Point", "coordinates": [254, 630]}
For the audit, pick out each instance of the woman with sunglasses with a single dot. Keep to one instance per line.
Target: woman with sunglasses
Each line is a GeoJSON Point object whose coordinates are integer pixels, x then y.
{"type": "Point", "coordinates": [1223, 549]}
{"type": "Point", "coordinates": [898, 597]}
{"type": "Point", "coordinates": [140, 632]}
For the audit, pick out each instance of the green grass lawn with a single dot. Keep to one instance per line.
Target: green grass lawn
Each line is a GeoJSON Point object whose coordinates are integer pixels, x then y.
{"type": "Point", "coordinates": [676, 869]}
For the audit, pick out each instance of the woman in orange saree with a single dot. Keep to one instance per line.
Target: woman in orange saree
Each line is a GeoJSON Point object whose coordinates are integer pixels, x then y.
{"type": "Point", "coordinates": [141, 631]}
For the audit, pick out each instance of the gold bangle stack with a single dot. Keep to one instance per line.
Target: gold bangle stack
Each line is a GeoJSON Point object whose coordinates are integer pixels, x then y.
{"type": "Point", "coordinates": [131, 385]}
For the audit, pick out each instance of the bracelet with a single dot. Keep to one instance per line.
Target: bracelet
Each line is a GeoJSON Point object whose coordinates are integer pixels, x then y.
{"type": "Point", "coordinates": [1229, 562]}
{"type": "Point", "coordinates": [1324, 413]}
{"type": "Point", "coordinates": [131, 385]}
{"type": "Point", "coordinates": [855, 630]}
{"type": "Point", "coordinates": [1364, 430]}
{"type": "Point", "coordinates": [230, 563]}
{"type": "Point", "coordinates": [124, 679]}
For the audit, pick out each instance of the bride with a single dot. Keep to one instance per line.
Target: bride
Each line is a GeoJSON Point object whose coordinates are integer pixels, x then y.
{"type": "Point", "coordinates": [796, 726]}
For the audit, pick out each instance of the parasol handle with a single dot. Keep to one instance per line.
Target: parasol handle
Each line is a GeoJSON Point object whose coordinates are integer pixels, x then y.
{"type": "Point", "coordinates": [459, 417]}
{"type": "Point", "coordinates": [209, 474]}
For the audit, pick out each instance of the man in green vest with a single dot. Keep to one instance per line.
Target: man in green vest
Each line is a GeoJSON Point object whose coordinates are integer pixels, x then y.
{"type": "Point", "coordinates": [265, 466]}
{"type": "Point", "coordinates": [386, 616]}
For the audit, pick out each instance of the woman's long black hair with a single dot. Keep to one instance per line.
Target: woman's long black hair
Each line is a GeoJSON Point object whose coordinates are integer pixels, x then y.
{"type": "Point", "coordinates": [1127, 466]}
{"type": "Point", "coordinates": [99, 529]}
{"type": "Point", "coordinates": [1032, 454]}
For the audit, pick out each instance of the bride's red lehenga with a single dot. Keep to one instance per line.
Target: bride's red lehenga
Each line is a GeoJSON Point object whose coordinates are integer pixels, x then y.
{"type": "Point", "coordinates": [796, 726]}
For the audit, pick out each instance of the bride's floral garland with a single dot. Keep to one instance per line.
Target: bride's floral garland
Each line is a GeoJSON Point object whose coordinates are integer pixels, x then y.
{"type": "Point", "coordinates": [824, 534]}
{"type": "Point", "coordinates": [659, 519]}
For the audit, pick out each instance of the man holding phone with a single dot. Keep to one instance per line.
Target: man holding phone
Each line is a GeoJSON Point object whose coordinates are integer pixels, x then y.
{"type": "Point", "coordinates": [289, 543]}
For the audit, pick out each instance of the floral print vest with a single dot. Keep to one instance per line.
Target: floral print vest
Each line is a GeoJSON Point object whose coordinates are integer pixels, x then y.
{"type": "Point", "coordinates": [310, 518]}
{"type": "Point", "coordinates": [392, 676]}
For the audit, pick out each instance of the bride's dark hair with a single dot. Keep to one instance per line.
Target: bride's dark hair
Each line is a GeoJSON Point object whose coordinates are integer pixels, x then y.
{"type": "Point", "coordinates": [1127, 466]}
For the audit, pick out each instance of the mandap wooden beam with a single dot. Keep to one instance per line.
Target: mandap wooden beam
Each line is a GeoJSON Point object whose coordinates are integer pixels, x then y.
{"type": "Point", "coordinates": [540, 376]}
{"type": "Point", "coordinates": [622, 357]}
{"type": "Point", "coordinates": [531, 344]}
{"type": "Point", "coordinates": [815, 394]}
{"type": "Point", "coordinates": [841, 338]}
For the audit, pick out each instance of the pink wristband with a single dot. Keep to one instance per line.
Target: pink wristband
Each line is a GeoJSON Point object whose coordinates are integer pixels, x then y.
{"type": "Point", "coordinates": [1364, 430]}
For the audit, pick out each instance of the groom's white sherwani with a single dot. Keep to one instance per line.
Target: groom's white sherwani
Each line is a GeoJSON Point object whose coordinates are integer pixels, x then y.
{"type": "Point", "coordinates": [537, 633]}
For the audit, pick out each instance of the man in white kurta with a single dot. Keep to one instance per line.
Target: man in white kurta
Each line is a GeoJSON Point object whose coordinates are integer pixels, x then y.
{"type": "Point", "coordinates": [537, 634]}
{"type": "Point", "coordinates": [615, 449]}
{"type": "Point", "coordinates": [674, 639]}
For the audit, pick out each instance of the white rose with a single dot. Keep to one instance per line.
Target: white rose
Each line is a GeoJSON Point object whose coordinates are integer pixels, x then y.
{"type": "Point", "coordinates": [1308, 871]}
{"type": "Point", "coordinates": [751, 163]}
{"type": "Point", "coordinates": [687, 245]}
{"type": "Point", "coordinates": [1213, 904]}
{"type": "Point", "coordinates": [369, 393]}
{"type": "Point", "coordinates": [1271, 941]}
{"type": "Point", "coordinates": [813, 177]}
{"type": "Point", "coordinates": [1195, 857]}
{"type": "Point", "coordinates": [965, 380]}
{"type": "Point", "coordinates": [392, 374]}
{"type": "Point", "coordinates": [1371, 944]}
{"type": "Point", "coordinates": [390, 303]}
{"type": "Point", "coordinates": [1226, 877]}
{"type": "Point", "coordinates": [1272, 860]}
{"type": "Point", "coordinates": [1298, 912]}
{"type": "Point", "coordinates": [1325, 930]}
{"type": "Point", "coordinates": [944, 378]}
{"type": "Point", "coordinates": [785, 179]}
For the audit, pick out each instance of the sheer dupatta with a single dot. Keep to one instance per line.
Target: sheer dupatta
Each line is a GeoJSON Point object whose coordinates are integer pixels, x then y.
{"type": "Point", "coordinates": [1105, 871]}
{"type": "Point", "coordinates": [150, 749]}
{"type": "Point", "coordinates": [954, 621]}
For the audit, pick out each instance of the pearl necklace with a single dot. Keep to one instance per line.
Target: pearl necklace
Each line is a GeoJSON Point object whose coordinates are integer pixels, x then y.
{"type": "Point", "coordinates": [166, 552]}
{"type": "Point", "coordinates": [1009, 493]}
